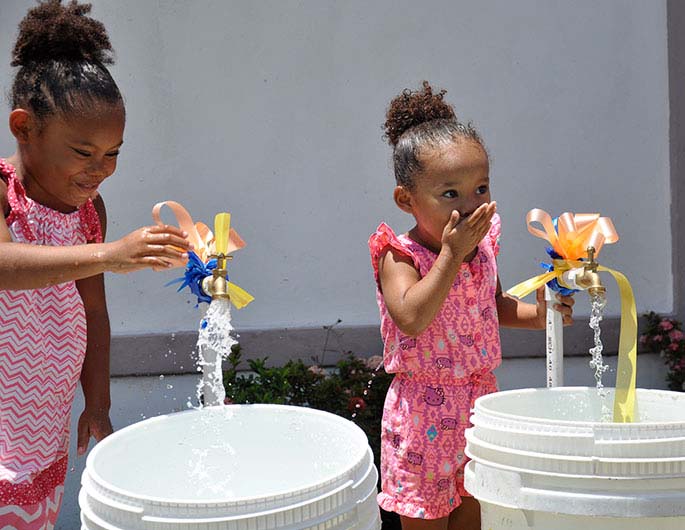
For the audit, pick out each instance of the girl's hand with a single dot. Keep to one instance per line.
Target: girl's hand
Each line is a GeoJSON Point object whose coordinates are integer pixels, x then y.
{"type": "Point", "coordinates": [461, 236]}
{"type": "Point", "coordinates": [159, 247]}
{"type": "Point", "coordinates": [565, 307]}
{"type": "Point", "coordinates": [95, 423]}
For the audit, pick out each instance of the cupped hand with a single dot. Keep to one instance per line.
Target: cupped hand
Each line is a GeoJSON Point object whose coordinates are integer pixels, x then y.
{"type": "Point", "coordinates": [461, 236]}
{"type": "Point", "coordinates": [95, 423]}
{"type": "Point", "coordinates": [564, 306]}
{"type": "Point", "coordinates": [158, 246]}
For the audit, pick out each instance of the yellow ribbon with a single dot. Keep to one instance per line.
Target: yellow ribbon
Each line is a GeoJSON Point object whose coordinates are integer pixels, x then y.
{"type": "Point", "coordinates": [202, 239]}
{"type": "Point", "coordinates": [575, 232]}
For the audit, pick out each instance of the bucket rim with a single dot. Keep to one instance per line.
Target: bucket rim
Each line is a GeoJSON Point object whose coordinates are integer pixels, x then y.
{"type": "Point", "coordinates": [481, 406]}
{"type": "Point", "coordinates": [112, 438]}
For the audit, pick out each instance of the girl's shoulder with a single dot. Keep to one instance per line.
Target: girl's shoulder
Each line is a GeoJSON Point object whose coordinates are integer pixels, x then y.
{"type": "Point", "coordinates": [384, 238]}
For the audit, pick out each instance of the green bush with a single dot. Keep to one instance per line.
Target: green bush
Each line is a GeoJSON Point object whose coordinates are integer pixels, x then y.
{"type": "Point", "coordinates": [665, 337]}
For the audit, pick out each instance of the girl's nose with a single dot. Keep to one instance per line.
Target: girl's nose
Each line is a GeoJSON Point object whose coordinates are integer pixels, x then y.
{"type": "Point", "coordinates": [99, 168]}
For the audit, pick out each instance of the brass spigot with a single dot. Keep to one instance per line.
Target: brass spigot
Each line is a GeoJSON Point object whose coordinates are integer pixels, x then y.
{"type": "Point", "coordinates": [216, 285]}
{"type": "Point", "coordinates": [589, 278]}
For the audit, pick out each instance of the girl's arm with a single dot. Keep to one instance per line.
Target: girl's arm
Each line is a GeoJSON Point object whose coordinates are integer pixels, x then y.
{"type": "Point", "coordinates": [413, 301]}
{"type": "Point", "coordinates": [25, 266]}
{"type": "Point", "coordinates": [516, 314]}
{"type": "Point", "coordinates": [94, 421]}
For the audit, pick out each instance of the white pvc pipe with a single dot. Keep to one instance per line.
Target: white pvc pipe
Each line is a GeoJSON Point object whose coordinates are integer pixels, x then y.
{"type": "Point", "coordinates": [554, 342]}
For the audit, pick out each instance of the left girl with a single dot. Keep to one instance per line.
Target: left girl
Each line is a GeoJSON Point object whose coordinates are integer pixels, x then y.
{"type": "Point", "coordinates": [68, 120]}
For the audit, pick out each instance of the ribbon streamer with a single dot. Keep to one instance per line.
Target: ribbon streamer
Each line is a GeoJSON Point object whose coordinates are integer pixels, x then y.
{"type": "Point", "coordinates": [575, 234]}
{"type": "Point", "coordinates": [199, 234]}
{"type": "Point", "coordinates": [200, 264]}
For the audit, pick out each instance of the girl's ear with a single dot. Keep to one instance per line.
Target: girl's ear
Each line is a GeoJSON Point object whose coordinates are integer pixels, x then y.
{"type": "Point", "coordinates": [22, 125]}
{"type": "Point", "coordinates": [403, 199]}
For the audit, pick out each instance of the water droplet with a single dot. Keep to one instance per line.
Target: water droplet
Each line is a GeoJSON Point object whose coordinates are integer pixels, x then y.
{"type": "Point", "coordinates": [169, 387]}
{"type": "Point", "coordinates": [161, 377]}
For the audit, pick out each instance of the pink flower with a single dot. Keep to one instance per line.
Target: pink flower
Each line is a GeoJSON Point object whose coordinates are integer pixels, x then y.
{"type": "Point", "coordinates": [374, 362]}
{"type": "Point", "coordinates": [673, 346]}
{"type": "Point", "coordinates": [666, 324]}
{"type": "Point", "coordinates": [658, 338]}
{"type": "Point", "coordinates": [317, 370]}
{"type": "Point", "coordinates": [643, 339]}
{"type": "Point", "coordinates": [676, 335]}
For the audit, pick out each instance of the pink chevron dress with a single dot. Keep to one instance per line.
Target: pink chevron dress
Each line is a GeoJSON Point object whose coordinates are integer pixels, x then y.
{"type": "Point", "coordinates": [42, 346]}
{"type": "Point", "coordinates": [438, 376]}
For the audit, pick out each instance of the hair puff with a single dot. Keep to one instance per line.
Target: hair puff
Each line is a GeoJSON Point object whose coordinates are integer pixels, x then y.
{"type": "Point", "coordinates": [55, 32]}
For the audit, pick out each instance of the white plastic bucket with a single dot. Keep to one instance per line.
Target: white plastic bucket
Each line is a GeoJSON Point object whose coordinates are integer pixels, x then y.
{"type": "Point", "coordinates": [542, 459]}
{"type": "Point", "coordinates": [236, 467]}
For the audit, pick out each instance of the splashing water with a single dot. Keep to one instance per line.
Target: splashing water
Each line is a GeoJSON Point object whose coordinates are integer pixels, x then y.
{"type": "Point", "coordinates": [214, 344]}
{"type": "Point", "coordinates": [598, 303]}
{"type": "Point", "coordinates": [368, 385]}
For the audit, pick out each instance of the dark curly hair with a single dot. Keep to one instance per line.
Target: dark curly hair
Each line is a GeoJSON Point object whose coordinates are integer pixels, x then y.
{"type": "Point", "coordinates": [62, 55]}
{"type": "Point", "coordinates": [419, 119]}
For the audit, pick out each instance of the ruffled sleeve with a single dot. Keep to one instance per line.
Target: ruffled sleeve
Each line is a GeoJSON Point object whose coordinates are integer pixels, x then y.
{"type": "Point", "coordinates": [382, 238]}
{"type": "Point", "coordinates": [494, 233]}
{"type": "Point", "coordinates": [90, 222]}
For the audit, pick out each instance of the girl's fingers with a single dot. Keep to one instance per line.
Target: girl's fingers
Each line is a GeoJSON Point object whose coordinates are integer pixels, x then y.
{"type": "Point", "coordinates": [170, 229]}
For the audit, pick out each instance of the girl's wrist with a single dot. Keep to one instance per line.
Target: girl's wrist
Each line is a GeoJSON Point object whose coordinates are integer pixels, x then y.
{"type": "Point", "coordinates": [448, 260]}
{"type": "Point", "coordinates": [106, 256]}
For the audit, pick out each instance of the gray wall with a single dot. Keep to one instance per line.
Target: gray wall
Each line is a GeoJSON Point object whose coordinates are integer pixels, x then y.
{"type": "Point", "coordinates": [273, 110]}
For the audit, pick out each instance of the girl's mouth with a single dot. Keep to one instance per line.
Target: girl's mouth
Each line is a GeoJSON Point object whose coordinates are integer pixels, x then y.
{"type": "Point", "coordinates": [88, 188]}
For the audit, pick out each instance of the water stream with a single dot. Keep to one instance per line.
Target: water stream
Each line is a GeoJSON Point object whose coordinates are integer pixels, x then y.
{"type": "Point", "coordinates": [598, 303]}
{"type": "Point", "coordinates": [214, 344]}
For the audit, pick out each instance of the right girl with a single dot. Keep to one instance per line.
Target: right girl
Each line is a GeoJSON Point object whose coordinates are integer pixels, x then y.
{"type": "Point", "coordinates": [441, 303]}
{"type": "Point", "coordinates": [68, 120]}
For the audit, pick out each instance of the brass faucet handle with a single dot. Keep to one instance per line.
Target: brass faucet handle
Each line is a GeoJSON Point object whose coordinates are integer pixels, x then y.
{"type": "Point", "coordinates": [591, 264]}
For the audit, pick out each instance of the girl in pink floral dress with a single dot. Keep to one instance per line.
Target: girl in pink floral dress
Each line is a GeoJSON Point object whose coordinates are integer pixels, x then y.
{"type": "Point", "coordinates": [441, 306]}
{"type": "Point", "coordinates": [68, 119]}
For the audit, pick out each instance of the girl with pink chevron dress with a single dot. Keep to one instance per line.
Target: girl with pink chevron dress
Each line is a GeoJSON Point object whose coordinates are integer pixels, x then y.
{"type": "Point", "coordinates": [68, 120]}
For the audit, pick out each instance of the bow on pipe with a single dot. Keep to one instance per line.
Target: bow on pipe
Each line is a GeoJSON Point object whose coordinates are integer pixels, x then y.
{"type": "Point", "coordinates": [570, 235]}
{"type": "Point", "coordinates": [202, 262]}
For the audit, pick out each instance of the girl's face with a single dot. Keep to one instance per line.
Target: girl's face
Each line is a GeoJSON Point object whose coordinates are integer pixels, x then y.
{"type": "Point", "coordinates": [454, 177]}
{"type": "Point", "coordinates": [66, 160]}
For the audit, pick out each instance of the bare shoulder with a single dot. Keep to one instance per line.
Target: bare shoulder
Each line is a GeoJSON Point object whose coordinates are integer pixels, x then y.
{"type": "Point", "coordinates": [396, 268]}
{"type": "Point", "coordinates": [99, 204]}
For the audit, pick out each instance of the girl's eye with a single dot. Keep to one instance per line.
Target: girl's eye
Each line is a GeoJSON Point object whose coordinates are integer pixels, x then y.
{"type": "Point", "coordinates": [113, 155]}
{"type": "Point", "coordinates": [450, 194]}
{"type": "Point", "coordinates": [482, 189]}
{"type": "Point", "coordinates": [81, 153]}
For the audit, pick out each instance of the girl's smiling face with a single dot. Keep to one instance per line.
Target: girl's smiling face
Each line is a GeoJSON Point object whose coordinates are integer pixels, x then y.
{"type": "Point", "coordinates": [66, 159]}
{"type": "Point", "coordinates": [453, 177]}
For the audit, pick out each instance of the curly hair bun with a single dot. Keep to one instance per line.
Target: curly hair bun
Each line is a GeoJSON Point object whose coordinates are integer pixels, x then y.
{"type": "Point", "coordinates": [410, 109]}
{"type": "Point", "coordinates": [55, 32]}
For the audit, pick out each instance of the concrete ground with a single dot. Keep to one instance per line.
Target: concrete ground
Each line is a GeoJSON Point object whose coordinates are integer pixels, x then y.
{"type": "Point", "coordinates": [137, 398]}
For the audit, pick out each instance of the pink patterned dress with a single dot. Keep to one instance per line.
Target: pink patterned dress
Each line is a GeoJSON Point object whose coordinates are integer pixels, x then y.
{"type": "Point", "coordinates": [439, 374]}
{"type": "Point", "coordinates": [42, 346]}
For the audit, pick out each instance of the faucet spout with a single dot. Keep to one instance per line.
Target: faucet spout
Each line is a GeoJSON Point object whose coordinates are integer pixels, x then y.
{"type": "Point", "coordinates": [588, 278]}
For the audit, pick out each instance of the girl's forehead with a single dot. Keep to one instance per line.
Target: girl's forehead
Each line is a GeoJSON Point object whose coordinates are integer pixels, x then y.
{"type": "Point", "coordinates": [100, 124]}
{"type": "Point", "coordinates": [463, 158]}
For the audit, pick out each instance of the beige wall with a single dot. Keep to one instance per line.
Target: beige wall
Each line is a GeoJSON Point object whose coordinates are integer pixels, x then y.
{"type": "Point", "coordinates": [273, 110]}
